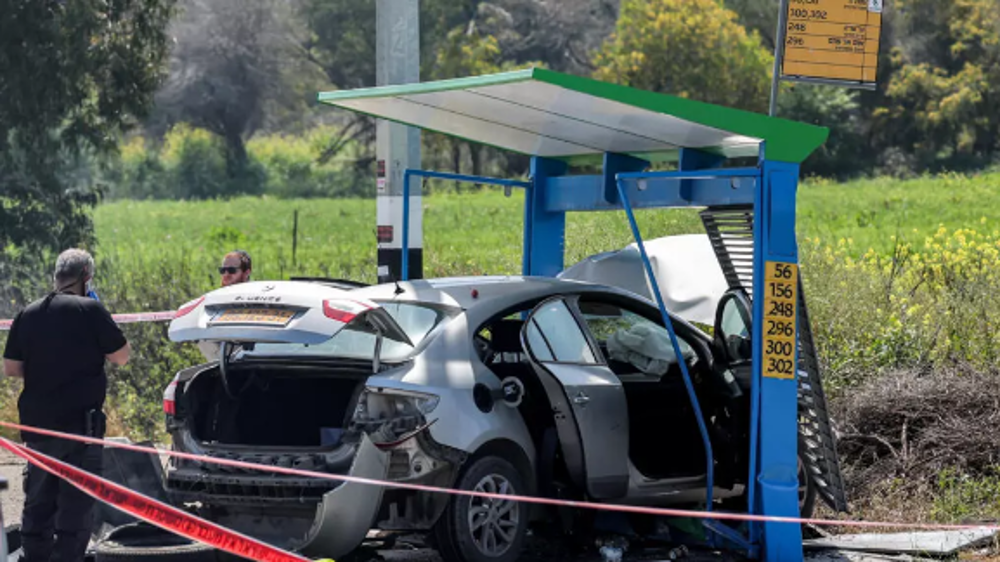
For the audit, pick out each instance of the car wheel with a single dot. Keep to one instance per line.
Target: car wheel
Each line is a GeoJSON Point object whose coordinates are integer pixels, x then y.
{"type": "Point", "coordinates": [807, 492]}
{"type": "Point", "coordinates": [142, 542]}
{"type": "Point", "coordinates": [475, 529]}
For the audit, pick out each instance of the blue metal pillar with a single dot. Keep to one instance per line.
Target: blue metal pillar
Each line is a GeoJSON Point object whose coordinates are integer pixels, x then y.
{"type": "Point", "coordinates": [693, 159]}
{"type": "Point", "coordinates": [544, 230]}
{"type": "Point", "coordinates": [690, 160]}
{"type": "Point", "coordinates": [411, 173]}
{"type": "Point", "coordinates": [774, 356]}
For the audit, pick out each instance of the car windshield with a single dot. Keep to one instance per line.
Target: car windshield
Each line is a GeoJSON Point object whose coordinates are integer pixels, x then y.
{"type": "Point", "coordinates": [357, 340]}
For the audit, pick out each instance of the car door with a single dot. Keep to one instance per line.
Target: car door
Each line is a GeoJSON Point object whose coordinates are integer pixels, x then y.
{"type": "Point", "coordinates": [588, 401]}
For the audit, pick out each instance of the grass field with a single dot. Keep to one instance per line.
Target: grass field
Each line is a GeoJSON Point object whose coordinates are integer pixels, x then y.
{"type": "Point", "coordinates": [872, 211]}
{"type": "Point", "coordinates": [463, 234]}
{"type": "Point", "coordinates": [481, 232]}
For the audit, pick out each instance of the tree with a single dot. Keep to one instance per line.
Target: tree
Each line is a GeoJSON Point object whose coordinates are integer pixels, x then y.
{"type": "Point", "coordinates": [689, 48]}
{"type": "Point", "coordinates": [941, 109]}
{"type": "Point", "coordinates": [844, 154]}
{"type": "Point", "coordinates": [234, 62]}
{"type": "Point", "coordinates": [562, 34]}
{"type": "Point", "coordinates": [465, 51]}
{"type": "Point", "coordinates": [341, 41]}
{"type": "Point", "coordinates": [760, 16]}
{"type": "Point", "coordinates": [73, 75]}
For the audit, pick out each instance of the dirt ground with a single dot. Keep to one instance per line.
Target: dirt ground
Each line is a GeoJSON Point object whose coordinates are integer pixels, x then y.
{"type": "Point", "coordinates": [12, 500]}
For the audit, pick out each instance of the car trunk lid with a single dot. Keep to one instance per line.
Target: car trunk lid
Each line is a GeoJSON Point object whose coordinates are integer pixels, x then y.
{"type": "Point", "coordinates": [279, 312]}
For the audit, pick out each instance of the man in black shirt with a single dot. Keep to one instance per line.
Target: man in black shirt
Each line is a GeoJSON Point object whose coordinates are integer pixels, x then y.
{"type": "Point", "coordinates": [58, 345]}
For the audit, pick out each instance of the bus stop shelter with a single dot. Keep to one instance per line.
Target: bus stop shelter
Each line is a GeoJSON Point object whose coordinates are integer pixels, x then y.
{"type": "Point", "coordinates": [749, 214]}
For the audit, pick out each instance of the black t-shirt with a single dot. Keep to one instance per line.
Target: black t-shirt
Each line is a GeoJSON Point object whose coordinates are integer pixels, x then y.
{"type": "Point", "coordinates": [62, 340]}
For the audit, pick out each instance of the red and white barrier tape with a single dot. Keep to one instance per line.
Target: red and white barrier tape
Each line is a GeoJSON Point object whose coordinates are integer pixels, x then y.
{"type": "Point", "coordinates": [119, 318]}
{"type": "Point", "coordinates": [668, 512]}
{"type": "Point", "coordinates": [153, 511]}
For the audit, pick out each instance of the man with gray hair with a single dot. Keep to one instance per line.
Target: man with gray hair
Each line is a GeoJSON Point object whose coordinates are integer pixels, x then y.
{"type": "Point", "coordinates": [58, 345]}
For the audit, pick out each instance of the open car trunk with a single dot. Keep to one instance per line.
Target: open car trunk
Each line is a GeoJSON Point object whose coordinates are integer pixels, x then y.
{"type": "Point", "coordinates": [274, 406]}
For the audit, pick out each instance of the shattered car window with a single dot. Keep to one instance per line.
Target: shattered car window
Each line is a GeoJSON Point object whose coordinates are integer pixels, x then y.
{"type": "Point", "coordinates": [631, 338]}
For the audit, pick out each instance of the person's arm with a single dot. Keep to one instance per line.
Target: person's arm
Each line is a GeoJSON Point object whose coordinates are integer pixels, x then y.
{"type": "Point", "coordinates": [121, 356]}
{"type": "Point", "coordinates": [13, 353]}
{"type": "Point", "coordinates": [13, 368]}
{"type": "Point", "coordinates": [110, 337]}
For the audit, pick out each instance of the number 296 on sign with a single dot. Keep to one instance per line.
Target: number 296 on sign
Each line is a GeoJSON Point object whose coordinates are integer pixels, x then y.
{"type": "Point", "coordinates": [780, 318]}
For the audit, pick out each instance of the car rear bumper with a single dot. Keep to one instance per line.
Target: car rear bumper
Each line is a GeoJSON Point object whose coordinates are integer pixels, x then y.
{"type": "Point", "coordinates": [346, 514]}
{"type": "Point", "coordinates": [333, 516]}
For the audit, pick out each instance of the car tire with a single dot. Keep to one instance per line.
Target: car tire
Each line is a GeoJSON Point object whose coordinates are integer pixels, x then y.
{"type": "Point", "coordinates": [141, 542]}
{"type": "Point", "coordinates": [506, 521]}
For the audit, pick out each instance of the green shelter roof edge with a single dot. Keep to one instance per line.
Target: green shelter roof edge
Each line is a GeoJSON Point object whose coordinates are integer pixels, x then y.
{"type": "Point", "coordinates": [540, 112]}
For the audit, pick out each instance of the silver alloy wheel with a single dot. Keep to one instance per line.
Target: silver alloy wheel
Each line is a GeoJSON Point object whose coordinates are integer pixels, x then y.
{"type": "Point", "coordinates": [492, 522]}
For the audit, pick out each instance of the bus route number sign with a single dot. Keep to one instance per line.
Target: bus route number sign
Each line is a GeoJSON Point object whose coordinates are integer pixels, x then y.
{"type": "Point", "coordinates": [780, 319]}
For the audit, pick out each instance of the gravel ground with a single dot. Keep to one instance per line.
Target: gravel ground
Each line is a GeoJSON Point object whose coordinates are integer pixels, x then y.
{"type": "Point", "coordinates": [12, 500]}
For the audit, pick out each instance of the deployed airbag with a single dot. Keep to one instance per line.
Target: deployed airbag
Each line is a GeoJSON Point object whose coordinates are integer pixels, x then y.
{"type": "Point", "coordinates": [647, 349]}
{"type": "Point", "coordinates": [687, 271]}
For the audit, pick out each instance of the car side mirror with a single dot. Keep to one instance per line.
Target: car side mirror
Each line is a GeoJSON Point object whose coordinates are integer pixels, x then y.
{"type": "Point", "coordinates": [733, 328]}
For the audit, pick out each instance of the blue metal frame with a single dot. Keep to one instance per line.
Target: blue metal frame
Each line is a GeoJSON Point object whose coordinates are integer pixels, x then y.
{"type": "Point", "coordinates": [777, 405]}
{"type": "Point", "coordinates": [409, 172]}
{"type": "Point", "coordinates": [623, 185]}
{"type": "Point", "coordinates": [702, 428]}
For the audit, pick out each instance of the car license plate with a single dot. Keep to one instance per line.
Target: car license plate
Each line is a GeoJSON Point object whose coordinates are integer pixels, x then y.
{"type": "Point", "coordinates": [272, 316]}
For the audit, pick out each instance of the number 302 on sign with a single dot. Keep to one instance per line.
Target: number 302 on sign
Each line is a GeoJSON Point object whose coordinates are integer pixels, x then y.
{"type": "Point", "coordinates": [780, 317]}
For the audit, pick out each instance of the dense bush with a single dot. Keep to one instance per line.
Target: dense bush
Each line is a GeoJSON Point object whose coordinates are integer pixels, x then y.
{"type": "Point", "coordinates": [131, 282]}
{"type": "Point", "coordinates": [921, 445]}
{"type": "Point", "coordinates": [932, 303]}
{"type": "Point", "coordinates": [191, 164]}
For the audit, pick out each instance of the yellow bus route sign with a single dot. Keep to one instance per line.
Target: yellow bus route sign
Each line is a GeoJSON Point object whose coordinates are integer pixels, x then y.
{"type": "Point", "coordinates": [780, 319]}
{"type": "Point", "coordinates": [832, 41]}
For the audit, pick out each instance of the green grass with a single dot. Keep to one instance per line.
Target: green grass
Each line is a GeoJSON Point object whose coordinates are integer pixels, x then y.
{"type": "Point", "coordinates": [480, 233]}
{"type": "Point", "coordinates": [873, 211]}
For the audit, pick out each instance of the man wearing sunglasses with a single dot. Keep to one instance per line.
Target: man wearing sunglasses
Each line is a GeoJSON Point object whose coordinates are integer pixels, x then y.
{"type": "Point", "coordinates": [235, 268]}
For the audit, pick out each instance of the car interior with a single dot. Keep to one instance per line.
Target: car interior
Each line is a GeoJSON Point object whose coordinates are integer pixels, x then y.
{"type": "Point", "coordinates": [661, 417]}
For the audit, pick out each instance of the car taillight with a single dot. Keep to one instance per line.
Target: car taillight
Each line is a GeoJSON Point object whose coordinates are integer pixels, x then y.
{"type": "Point", "coordinates": [169, 405]}
{"type": "Point", "coordinates": [188, 307]}
{"type": "Point", "coordinates": [343, 310]}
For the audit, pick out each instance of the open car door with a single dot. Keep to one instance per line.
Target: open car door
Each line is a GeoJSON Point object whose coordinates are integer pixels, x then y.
{"type": "Point", "coordinates": [587, 398]}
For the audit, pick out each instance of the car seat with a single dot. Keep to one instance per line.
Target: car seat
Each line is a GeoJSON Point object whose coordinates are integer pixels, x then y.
{"type": "Point", "coordinates": [505, 341]}
{"type": "Point", "coordinates": [509, 359]}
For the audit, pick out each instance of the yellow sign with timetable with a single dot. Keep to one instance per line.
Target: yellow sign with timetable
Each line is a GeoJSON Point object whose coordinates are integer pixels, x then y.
{"type": "Point", "coordinates": [832, 41]}
{"type": "Point", "coordinates": [781, 288]}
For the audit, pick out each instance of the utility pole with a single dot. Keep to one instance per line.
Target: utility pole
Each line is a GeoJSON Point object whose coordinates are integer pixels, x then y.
{"type": "Point", "coordinates": [397, 53]}
{"type": "Point", "coordinates": [779, 53]}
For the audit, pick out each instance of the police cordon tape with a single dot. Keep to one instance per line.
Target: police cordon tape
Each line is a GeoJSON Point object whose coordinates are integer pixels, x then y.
{"type": "Point", "coordinates": [667, 512]}
{"type": "Point", "coordinates": [129, 318]}
{"type": "Point", "coordinates": [153, 511]}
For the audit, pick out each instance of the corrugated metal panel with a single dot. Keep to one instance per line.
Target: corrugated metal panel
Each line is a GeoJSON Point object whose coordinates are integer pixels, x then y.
{"type": "Point", "coordinates": [731, 231]}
